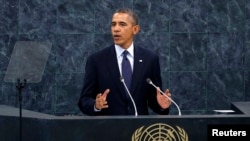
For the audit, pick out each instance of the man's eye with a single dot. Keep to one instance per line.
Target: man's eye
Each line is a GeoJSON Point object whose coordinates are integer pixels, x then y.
{"type": "Point", "coordinates": [123, 24]}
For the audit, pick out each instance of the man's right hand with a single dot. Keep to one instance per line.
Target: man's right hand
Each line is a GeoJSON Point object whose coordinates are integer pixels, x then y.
{"type": "Point", "coordinates": [100, 101]}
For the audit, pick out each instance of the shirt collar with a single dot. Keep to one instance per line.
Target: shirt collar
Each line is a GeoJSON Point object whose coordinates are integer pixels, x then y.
{"type": "Point", "coordinates": [119, 50]}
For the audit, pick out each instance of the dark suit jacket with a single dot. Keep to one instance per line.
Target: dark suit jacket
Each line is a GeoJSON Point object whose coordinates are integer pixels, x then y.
{"type": "Point", "coordinates": [102, 72]}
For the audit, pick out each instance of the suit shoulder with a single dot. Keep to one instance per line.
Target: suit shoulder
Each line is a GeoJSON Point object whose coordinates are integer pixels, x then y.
{"type": "Point", "coordinates": [147, 51]}
{"type": "Point", "coordinates": [103, 52]}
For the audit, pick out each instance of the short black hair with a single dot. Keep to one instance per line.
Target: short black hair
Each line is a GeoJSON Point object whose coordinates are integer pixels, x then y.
{"type": "Point", "coordinates": [130, 12]}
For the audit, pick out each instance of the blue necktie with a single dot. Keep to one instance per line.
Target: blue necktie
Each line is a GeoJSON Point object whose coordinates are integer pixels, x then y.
{"type": "Point", "coordinates": [126, 69]}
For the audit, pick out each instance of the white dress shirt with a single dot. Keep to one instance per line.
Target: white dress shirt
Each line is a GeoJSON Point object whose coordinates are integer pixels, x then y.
{"type": "Point", "coordinates": [119, 54]}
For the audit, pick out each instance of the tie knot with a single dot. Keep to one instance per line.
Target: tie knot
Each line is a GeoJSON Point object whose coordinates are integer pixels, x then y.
{"type": "Point", "coordinates": [125, 53]}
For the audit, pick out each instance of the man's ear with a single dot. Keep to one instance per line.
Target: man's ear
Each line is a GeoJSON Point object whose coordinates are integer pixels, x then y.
{"type": "Point", "coordinates": [136, 29]}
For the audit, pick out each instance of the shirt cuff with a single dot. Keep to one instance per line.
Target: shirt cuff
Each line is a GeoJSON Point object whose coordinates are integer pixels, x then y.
{"type": "Point", "coordinates": [96, 110]}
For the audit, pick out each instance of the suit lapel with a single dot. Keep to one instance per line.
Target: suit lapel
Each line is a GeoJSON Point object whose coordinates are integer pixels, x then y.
{"type": "Point", "coordinates": [138, 68]}
{"type": "Point", "coordinates": [114, 70]}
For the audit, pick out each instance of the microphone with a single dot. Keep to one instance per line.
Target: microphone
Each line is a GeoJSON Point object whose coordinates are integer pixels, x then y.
{"type": "Point", "coordinates": [151, 83]}
{"type": "Point", "coordinates": [122, 80]}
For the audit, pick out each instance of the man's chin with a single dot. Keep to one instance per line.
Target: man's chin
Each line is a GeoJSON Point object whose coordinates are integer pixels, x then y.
{"type": "Point", "coordinates": [117, 43]}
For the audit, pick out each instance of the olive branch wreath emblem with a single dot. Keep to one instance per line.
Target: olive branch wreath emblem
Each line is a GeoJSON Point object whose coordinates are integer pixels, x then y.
{"type": "Point", "coordinates": [160, 131]}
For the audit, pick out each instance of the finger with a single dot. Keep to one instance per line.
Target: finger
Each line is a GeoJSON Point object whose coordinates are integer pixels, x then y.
{"type": "Point", "coordinates": [98, 96]}
{"type": "Point", "coordinates": [105, 106]}
{"type": "Point", "coordinates": [104, 95]}
{"type": "Point", "coordinates": [167, 92]}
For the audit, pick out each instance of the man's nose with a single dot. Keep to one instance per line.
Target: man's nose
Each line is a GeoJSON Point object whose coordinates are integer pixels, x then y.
{"type": "Point", "coordinates": [116, 28]}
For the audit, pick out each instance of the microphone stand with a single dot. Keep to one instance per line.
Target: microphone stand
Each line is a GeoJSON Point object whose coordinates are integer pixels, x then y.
{"type": "Point", "coordinates": [19, 87]}
{"type": "Point", "coordinates": [122, 80]}
{"type": "Point", "coordinates": [151, 83]}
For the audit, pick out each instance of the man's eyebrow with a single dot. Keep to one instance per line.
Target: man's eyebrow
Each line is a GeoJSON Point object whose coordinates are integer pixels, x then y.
{"type": "Point", "coordinates": [118, 22]}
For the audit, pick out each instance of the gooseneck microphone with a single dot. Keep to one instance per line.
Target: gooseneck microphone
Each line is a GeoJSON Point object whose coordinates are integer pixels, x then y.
{"type": "Point", "coordinates": [123, 82]}
{"type": "Point", "coordinates": [151, 83]}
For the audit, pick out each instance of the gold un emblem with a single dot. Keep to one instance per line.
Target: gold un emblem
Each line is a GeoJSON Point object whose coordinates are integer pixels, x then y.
{"type": "Point", "coordinates": [160, 132]}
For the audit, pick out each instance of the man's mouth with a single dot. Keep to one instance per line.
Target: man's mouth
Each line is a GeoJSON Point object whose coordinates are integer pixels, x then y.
{"type": "Point", "coordinates": [117, 36]}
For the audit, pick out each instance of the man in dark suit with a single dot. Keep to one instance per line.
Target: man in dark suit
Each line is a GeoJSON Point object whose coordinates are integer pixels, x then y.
{"type": "Point", "coordinates": [104, 91]}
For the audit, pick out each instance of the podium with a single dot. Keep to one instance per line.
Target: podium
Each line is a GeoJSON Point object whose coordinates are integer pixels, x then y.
{"type": "Point", "coordinates": [43, 127]}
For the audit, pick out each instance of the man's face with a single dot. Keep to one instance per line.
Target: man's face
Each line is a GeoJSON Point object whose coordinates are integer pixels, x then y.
{"type": "Point", "coordinates": [123, 29]}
